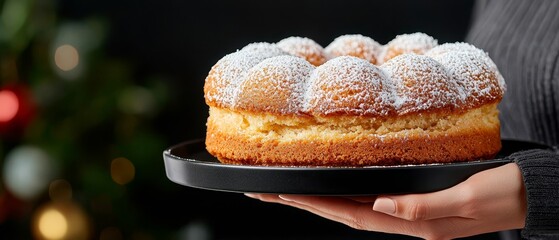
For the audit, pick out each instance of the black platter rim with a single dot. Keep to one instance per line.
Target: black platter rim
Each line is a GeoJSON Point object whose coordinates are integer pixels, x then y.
{"type": "Point", "coordinates": [189, 164]}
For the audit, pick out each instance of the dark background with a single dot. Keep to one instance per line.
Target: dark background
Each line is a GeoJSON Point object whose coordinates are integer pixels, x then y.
{"type": "Point", "coordinates": [179, 41]}
{"type": "Point", "coordinates": [184, 39]}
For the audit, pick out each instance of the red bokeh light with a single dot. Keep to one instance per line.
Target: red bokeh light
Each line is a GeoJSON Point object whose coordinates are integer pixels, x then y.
{"type": "Point", "coordinates": [9, 105]}
{"type": "Point", "coordinates": [17, 110]}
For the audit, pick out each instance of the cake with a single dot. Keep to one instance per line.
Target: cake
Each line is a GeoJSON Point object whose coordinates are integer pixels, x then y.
{"type": "Point", "coordinates": [354, 103]}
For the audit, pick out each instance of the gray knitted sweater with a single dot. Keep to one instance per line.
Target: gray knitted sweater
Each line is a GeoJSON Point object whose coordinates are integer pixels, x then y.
{"type": "Point", "coordinates": [522, 38]}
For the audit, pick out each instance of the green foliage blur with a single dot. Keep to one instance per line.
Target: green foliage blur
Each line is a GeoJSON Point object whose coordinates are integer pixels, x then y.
{"type": "Point", "coordinates": [82, 118]}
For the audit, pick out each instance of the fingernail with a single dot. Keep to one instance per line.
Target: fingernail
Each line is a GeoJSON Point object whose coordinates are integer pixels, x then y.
{"type": "Point", "coordinates": [251, 195]}
{"type": "Point", "coordinates": [384, 205]}
{"type": "Point", "coordinates": [285, 198]}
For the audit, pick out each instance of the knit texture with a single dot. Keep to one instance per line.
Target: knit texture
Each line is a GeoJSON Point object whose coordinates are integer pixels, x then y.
{"type": "Point", "coordinates": [540, 171]}
{"type": "Point", "coordinates": [522, 38]}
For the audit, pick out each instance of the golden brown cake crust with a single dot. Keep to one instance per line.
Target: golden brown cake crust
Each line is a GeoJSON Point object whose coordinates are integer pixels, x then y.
{"type": "Point", "coordinates": [475, 145]}
{"type": "Point", "coordinates": [252, 142]}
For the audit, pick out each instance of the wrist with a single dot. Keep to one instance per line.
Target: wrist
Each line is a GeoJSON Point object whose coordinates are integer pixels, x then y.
{"type": "Point", "coordinates": [540, 173]}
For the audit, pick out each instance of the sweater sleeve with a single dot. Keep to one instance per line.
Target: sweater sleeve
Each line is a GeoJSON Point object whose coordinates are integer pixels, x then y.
{"type": "Point", "coordinates": [540, 171]}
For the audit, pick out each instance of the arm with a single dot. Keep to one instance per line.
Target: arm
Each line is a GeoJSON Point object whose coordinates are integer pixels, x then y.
{"type": "Point", "coordinates": [540, 172]}
{"type": "Point", "coordinates": [489, 201]}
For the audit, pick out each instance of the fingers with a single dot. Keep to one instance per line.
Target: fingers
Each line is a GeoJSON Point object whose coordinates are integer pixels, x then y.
{"type": "Point", "coordinates": [360, 216]}
{"type": "Point", "coordinates": [473, 198]}
{"type": "Point", "coordinates": [354, 214]}
{"type": "Point", "coordinates": [332, 205]}
{"type": "Point", "coordinates": [489, 201]}
{"type": "Point", "coordinates": [362, 199]}
{"type": "Point", "coordinates": [427, 206]}
{"type": "Point", "coordinates": [347, 211]}
{"type": "Point", "coordinates": [264, 197]}
{"type": "Point", "coordinates": [411, 207]}
{"type": "Point", "coordinates": [309, 203]}
{"type": "Point", "coordinates": [327, 202]}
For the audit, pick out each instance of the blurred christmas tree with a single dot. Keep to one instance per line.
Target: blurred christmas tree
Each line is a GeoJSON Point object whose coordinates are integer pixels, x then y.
{"type": "Point", "coordinates": [76, 129]}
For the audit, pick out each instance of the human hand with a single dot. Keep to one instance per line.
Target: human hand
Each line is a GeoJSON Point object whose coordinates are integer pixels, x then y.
{"type": "Point", "coordinates": [489, 201]}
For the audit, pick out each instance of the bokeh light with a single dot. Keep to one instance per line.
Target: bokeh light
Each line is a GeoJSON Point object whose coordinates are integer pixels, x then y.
{"type": "Point", "coordinates": [137, 100]}
{"type": "Point", "coordinates": [56, 220]}
{"type": "Point", "coordinates": [122, 170]}
{"type": "Point", "coordinates": [28, 171]}
{"type": "Point", "coordinates": [52, 224]}
{"type": "Point", "coordinates": [9, 105]}
{"type": "Point", "coordinates": [66, 57]}
{"type": "Point", "coordinates": [198, 230]}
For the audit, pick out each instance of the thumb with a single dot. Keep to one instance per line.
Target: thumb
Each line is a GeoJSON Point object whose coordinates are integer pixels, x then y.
{"type": "Point", "coordinates": [413, 207]}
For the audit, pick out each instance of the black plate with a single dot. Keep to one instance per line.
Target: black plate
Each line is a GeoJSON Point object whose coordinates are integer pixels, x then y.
{"type": "Point", "coordinates": [189, 164]}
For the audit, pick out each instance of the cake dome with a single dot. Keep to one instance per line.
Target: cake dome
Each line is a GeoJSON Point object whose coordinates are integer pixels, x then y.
{"type": "Point", "coordinates": [409, 101]}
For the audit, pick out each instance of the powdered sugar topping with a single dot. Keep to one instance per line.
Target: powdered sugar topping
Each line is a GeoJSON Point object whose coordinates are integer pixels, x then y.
{"type": "Point", "coordinates": [454, 47]}
{"type": "Point", "coordinates": [354, 45]}
{"type": "Point", "coordinates": [421, 83]}
{"type": "Point", "coordinates": [264, 49]}
{"type": "Point", "coordinates": [472, 73]}
{"type": "Point", "coordinates": [226, 75]}
{"type": "Point", "coordinates": [276, 85]}
{"type": "Point", "coordinates": [269, 77]}
{"type": "Point", "coordinates": [478, 55]}
{"type": "Point", "coordinates": [348, 85]}
{"type": "Point", "coordinates": [413, 42]}
{"type": "Point", "coordinates": [303, 47]}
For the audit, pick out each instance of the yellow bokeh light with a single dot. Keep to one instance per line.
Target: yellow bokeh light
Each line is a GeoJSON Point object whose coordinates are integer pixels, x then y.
{"type": "Point", "coordinates": [122, 170]}
{"type": "Point", "coordinates": [60, 220]}
{"type": "Point", "coordinates": [66, 57]}
{"type": "Point", "coordinates": [52, 224]}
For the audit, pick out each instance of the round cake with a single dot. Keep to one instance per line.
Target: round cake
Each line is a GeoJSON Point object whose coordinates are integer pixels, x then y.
{"type": "Point", "coordinates": [354, 103]}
